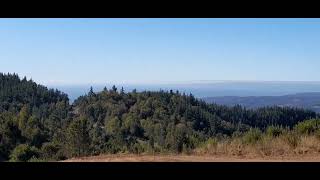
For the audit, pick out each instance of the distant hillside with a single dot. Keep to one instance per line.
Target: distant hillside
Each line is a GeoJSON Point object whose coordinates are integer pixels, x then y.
{"type": "Point", "coordinates": [39, 124]}
{"type": "Point", "coordinates": [203, 89]}
{"type": "Point", "coordinates": [302, 100]}
{"type": "Point", "coordinates": [16, 93]}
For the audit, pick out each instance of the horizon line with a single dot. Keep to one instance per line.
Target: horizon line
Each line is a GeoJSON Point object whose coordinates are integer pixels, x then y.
{"type": "Point", "coordinates": [175, 82]}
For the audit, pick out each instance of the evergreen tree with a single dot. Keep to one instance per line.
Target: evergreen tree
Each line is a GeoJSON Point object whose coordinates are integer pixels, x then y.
{"type": "Point", "coordinates": [78, 137]}
{"type": "Point", "coordinates": [114, 89]}
{"type": "Point", "coordinates": [122, 91]}
{"type": "Point", "coordinates": [91, 93]}
{"type": "Point", "coordinates": [36, 119]}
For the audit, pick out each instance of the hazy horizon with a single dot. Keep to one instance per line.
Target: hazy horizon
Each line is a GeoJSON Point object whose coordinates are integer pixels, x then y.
{"type": "Point", "coordinates": [183, 82]}
{"type": "Point", "coordinates": [202, 90]}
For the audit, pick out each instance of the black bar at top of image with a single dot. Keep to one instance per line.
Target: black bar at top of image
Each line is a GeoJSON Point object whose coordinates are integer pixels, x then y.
{"type": "Point", "coordinates": [161, 9]}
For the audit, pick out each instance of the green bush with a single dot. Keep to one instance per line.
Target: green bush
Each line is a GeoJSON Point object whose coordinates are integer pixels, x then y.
{"type": "Point", "coordinates": [51, 151]}
{"type": "Point", "coordinates": [210, 145]}
{"type": "Point", "coordinates": [212, 142]}
{"type": "Point", "coordinates": [252, 136]}
{"type": "Point", "coordinates": [23, 153]}
{"type": "Point", "coordinates": [308, 126]}
{"type": "Point", "coordinates": [34, 159]}
{"type": "Point", "coordinates": [236, 134]}
{"type": "Point", "coordinates": [139, 148]}
{"type": "Point", "coordinates": [274, 131]}
{"type": "Point", "coordinates": [195, 140]}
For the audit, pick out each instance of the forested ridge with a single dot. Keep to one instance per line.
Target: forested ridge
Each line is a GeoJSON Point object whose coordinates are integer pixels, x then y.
{"type": "Point", "coordinates": [37, 123]}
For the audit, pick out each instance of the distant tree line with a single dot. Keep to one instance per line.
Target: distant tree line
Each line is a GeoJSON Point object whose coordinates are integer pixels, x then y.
{"type": "Point", "coordinates": [37, 123]}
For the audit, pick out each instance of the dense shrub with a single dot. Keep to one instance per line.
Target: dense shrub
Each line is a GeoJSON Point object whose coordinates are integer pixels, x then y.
{"type": "Point", "coordinates": [274, 131]}
{"type": "Point", "coordinates": [252, 136]}
{"type": "Point", "coordinates": [210, 145]}
{"type": "Point", "coordinates": [237, 134]}
{"type": "Point", "coordinates": [51, 151]}
{"type": "Point", "coordinates": [35, 159]}
{"type": "Point", "coordinates": [140, 147]}
{"type": "Point", "coordinates": [308, 126]}
{"type": "Point", "coordinates": [24, 152]}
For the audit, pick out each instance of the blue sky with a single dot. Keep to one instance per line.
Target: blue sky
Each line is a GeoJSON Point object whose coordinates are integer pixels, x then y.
{"type": "Point", "coordinates": [97, 51]}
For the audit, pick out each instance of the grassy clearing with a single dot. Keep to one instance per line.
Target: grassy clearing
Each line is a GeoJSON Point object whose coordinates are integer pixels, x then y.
{"type": "Point", "coordinates": [257, 144]}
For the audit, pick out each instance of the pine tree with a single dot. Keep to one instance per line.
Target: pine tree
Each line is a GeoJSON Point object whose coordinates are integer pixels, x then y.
{"type": "Point", "coordinates": [91, 93]}
{"type": "Point", "coordinates": [114, 88]}
{"type": "Point", "coordinates": [23, 118]}
{"type": "Point", "coordinates": [122, 91]}
{"type": "Point", "coordinates": [78, 137]}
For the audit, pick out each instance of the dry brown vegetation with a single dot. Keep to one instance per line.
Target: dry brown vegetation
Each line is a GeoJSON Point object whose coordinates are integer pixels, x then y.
{"type": "Point", "coordinates": [273, 149]}
{"type": "Point", "coordinates": [302, 143]}
{"type": "Point", "coordinates": [267, 147]}
{"type": "Point", "coordinates": [193, 158]}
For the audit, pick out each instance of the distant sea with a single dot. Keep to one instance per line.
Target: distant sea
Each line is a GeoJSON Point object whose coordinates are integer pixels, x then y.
{"type": "Point", "coordinates": [204, 89]}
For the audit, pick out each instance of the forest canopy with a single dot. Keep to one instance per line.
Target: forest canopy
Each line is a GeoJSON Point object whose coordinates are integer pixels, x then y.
{"type": "Point", "coordinates": [40, 123]}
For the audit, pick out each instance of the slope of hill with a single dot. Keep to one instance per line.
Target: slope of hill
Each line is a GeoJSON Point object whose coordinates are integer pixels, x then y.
{"type": "Point", "coordinates": [171, 121]}
{"type": "Point", "coordinates": [301, 100]}
{"type": "Point", "coordinates": [39, 123]}
{"type": "Point", "coordinates": [16, 92]}
{"type": "Point", "coordinates": [29, 114]}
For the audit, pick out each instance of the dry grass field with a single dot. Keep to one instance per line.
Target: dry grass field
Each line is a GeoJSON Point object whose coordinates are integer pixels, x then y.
{"type": "Point", "coordinates": [194, 158]}
{"type": "Point", "coordinates": [276, 149]}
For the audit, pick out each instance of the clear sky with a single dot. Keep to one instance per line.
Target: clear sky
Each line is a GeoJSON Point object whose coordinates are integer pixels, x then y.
{"type": "Point", "coordinates": [82, 51]}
